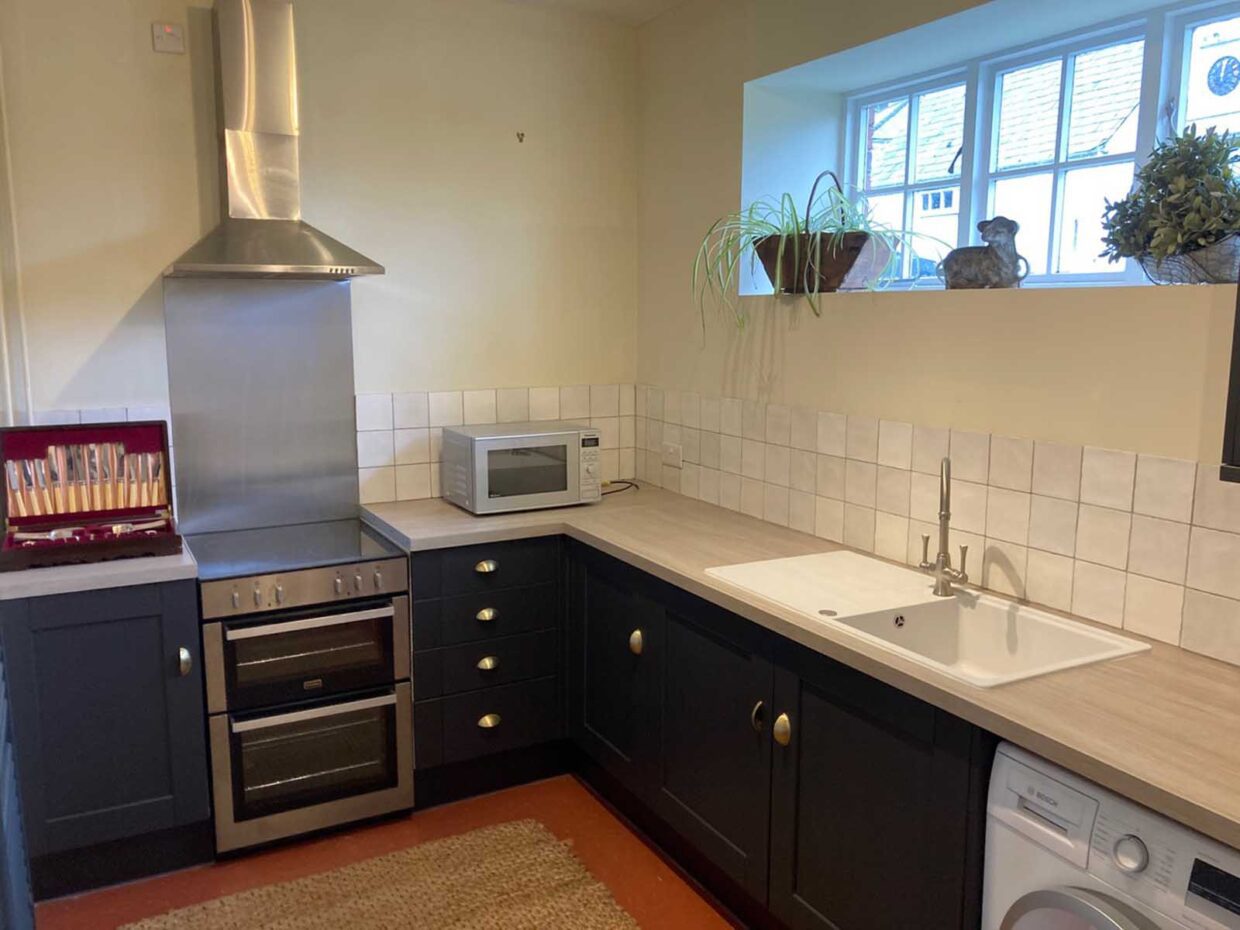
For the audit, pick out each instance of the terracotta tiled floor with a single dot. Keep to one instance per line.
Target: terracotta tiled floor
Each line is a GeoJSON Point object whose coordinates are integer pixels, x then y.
{"type": "Point", "coordinates": [641, 881]}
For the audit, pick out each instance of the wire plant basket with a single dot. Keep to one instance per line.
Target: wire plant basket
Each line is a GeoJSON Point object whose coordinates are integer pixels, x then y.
{"type": "Point", "coordinates": [1215, 264]}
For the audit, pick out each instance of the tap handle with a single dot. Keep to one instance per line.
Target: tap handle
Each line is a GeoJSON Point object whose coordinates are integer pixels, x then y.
{"type": "Point", "coordinates": [925, 549]}
{"type": "Point", "coordinates": [964, 558]}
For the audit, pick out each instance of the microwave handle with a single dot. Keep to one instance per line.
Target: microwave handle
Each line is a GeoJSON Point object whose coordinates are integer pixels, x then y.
{"type": "Point", "coordinates": [309, 623]}
{"type": "Point", "coordinates": [314, 713]}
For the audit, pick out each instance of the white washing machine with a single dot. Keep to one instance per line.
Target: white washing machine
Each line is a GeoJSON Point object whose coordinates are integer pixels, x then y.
{"type": "Point", "coordinates": [1065, 854]}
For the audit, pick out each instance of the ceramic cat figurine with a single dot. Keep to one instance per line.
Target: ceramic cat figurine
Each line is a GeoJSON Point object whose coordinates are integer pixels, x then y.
{"type": "Point", "coordinates": [995, 264]}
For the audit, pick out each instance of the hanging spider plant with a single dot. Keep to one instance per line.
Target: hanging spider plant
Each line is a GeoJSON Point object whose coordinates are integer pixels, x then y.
{"type": "Point", "coordinates": [835, 244]}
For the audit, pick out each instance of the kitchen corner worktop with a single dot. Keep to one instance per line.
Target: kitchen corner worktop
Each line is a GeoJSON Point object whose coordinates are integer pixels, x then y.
{"type": "Point", "coordinates": [1162, 727]}
{"type": "Point", "coordinates": [96, 576]}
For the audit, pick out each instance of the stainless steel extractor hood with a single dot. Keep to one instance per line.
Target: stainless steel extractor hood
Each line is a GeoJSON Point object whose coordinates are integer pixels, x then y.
{"type": "Point", "coordinates": [263, 234]}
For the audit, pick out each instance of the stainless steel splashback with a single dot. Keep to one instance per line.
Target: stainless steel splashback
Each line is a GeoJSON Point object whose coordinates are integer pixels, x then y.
{"type": "Point", "coordinates": [260, 378]}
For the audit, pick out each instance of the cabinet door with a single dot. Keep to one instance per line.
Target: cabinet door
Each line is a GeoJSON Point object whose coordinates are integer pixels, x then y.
{"type": "Point", "coordinates": [109, 733]}
{"type": "Point", "coordinates": [615, 643]}
{"type": "Point", "coordinates": [870, 806]}
{"type": "Point", "coordinates": [715, 747]}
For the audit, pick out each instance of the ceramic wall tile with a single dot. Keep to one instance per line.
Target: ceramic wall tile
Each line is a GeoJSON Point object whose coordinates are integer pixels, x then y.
{"type": "Point", "coordinates": [375, 449]}
{"type": "Point", "coordinates": [1164, 488]}
{"type": "Point", "coordinates": [829, 519]}
{"type": "Point", "coordinates": [376, 485]}
{"type": "Point", "coordinates": [1217, 503]}
{"type": "Point", "coordinates": [778, 465]}
{"type": "Point", "coordinates": [604, 400]}
{"type": "Point", "coordinates": [968, 506]}
{"type": "Point", "coordinates": [831, 476]}
{"type": "Point", "coordinates": [412, 446]}
{"type": "Point", "coordinates": [608, 431]}
{"type": "Point", "coordinates": [832, 434]}
{"type": "Point", "coordinates": [627, 466]}
{"type": "Point", "coordinates": [1108, 477]}
{"type": "Point", "coordinates": [753, 458]}
{"type": "Point", "coordinates": [775, 504]}
{"type": "Point", "coordinates": [479, 407]}
{"type": "Point", "coordinates": [861, 441]}
{"type": "Point", "coordinates": [753, 497]}
{"type": "Point", "coordinates": [1098, 593]}
{"type": "Point", "coordinates": [753, 420]}
{"type": "Point", "coordinates": [627, 399]}
{"type": "Point", "coordinates": [1048, 580]}
{"type": "Point", "coordinates": [690, 480]}
{"type": "Point", "coordinates": [1052, 524]}
{"type": "Point", "coordinates": [895, 444]}
{"type": "Point", "coordinates": [860, 483]}
{"type": "Point", "coordinates": [410, 410]}
{"type": "Point", "coordinates": [711, 414]}
{"type": "Point", "coordinates": [671, 407]}
{"type": "Point", "coordinates": [1102, 536]}
{"type": "Point", "coordinates": [804, 429]}
{"type": "Point", "coordinates": [731, 416]}
{"type": "Point", "coordinates": [1213, 557]}
{"type": "Point", "coordinates": [730, 491]}
{"type": "Point", "coordinates": [778, 425]}
{"type": "Point", "coordinates": [930, 446]}
{"type": "Point", "coordinates": [628, 432]}
{"type": "Point", "coordinates": [891, 536]}
{"type": "Point", "coordinates": [924, 497]}
{"type": "Point", "coordinates": [708, 485]}
{"type": "Point", "coordinates": [1057, 470]}
{"type": "Point", "coordinates": [1159, 549]}
{"type": "Point", "coordinates": [970, 455]}
{"type": "Point", "coordinates": [801, 511]}
{"type": "Point", "coordinates": [1004, 567]}
{"type": "Point", "coordinates": [691, 409]}
{"type": "Point", "coordinates": [1007, 515]}
{"type": "Point", "coordinates": [1153, 608]}
{"type": "Point", "coordinates": [374, 412]}
{"type": "Point", "coordinates": [731, 457]}
{"type": "Point", "coordinates": [545, 403]}
{"type": "Point", "coordinates": [413, 482]}
{"type": "Point", "coordinates": [512, 405]}
{"type": "Point", "coordinates": [654, 403]}
{"type": "Point", "coordinates": [445, 408]}
{"type": "Point", "coordinates": [859, 525]}
{"type": "Point", "coordinates": [802, 471]}
{"type": "Point", "coordinates": [575, 402]}
{"type": "Point", "coordinates": [710, 443]}
{"type": "Point", "coordinates": [1211, 626]}
{"type": "Point", "coordinates": [893, 491]}
{"type": "Point", "coordinates": [670, 479]}
{"type": "Point", "coordinates": [1011, 463]}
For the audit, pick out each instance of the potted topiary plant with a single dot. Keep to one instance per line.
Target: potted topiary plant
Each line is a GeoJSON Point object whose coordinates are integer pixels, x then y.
{"type": "Point", "coordinates": [832, 245]}
{"type": "Point", "coordinates": [1182, 218]}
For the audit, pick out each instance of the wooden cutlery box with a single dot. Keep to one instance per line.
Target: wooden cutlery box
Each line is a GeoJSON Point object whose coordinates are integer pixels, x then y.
{"type": "Point", "coordinates": [86, 494]}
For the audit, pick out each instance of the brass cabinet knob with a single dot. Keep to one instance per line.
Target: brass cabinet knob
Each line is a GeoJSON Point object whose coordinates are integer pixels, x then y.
{"type": "Point", "coordinates": [488, 663]}
{"type": "Point", "coordinates": [489, 721]}
{"type": "Point", "coordinates": [756, 716]}
{"type": "Point", "coordinates": [185, 661]}
{"type": "Point", "coordinates": [635, 642]}
{"type": "Point", "coordinates": [486, 615]}
{"type": "Point", "coordinates": [486, 566]}
{"type": "Point", "coordinates": [782, 731]}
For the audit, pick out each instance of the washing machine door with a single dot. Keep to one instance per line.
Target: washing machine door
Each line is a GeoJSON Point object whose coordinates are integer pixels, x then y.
{"type": "Point", "coordinates": [1073, 909]}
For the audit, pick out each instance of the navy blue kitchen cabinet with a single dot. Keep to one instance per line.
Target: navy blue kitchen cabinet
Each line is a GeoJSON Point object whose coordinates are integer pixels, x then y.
{"type": "Point", "coordinates": [16, 904]}
{"type": "Point", "coordinates": [792, 786]}
{"type": "Point", "coordinates": [108, 728]}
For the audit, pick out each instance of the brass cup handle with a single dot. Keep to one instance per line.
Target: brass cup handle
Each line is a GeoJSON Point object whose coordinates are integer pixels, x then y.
{"type": "Point", "coordinates": [488, 663]}
{"type": "Point", "coordinates": [782, 731]}
{"type": "Point", "coordinates": [757, 715]}
{"type": "Point", "coordinates": [489, 721]}
{"type": "Point", "coordinates": [486, 615]}
{"type": "Point", "coordinates": [486, 567]}
{"type": "Point", "coordinates": [635, 642]}
{"type": "Point", "coordinates": [185, 661]}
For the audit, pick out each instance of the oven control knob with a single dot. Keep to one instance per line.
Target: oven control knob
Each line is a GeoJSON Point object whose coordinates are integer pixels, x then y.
{"type": "Point", "coordinates": [378, 580]}
{"type": "Point", "coordinates": [236, 599]}
{"type": "Point", "coordinates": [258, 596]}
{"type": "Point", "coordinates": [279, 594]}
{"type": "Point", "coordinates": [338, 585]}
{"type": "Point", "coordinates": [1131, 854]}
{"type": "Point", "coordinates": [592, 470]}
{"type": "Point", "coordinates": [357, 582]}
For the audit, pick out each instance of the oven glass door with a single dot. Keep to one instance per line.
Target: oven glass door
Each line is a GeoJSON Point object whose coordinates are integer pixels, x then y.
{"type": "Point", "coordinates": [314, 654]}
{"type": "Point", "coordinates": [312, 756]}
{"type": "Point", "coordinates": [532, 471]}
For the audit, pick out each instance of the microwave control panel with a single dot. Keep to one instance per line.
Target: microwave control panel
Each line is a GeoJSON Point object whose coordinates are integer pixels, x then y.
{"type": "Point", "coordinates": [591, 482]}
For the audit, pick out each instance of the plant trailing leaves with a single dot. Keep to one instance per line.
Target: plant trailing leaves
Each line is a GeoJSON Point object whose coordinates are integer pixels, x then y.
{"type": "Point", "coordinates": [1186, 198]}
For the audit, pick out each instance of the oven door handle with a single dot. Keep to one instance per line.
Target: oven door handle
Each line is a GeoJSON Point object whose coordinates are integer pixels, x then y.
{"type": "Point", "coordinates": [314, 713]}
{"type": "Point", "coordinates": [309, 623]}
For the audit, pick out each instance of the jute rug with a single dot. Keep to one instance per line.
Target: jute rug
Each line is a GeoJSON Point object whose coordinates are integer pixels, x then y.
{"type": "Point", "coordinates": [515, 876]}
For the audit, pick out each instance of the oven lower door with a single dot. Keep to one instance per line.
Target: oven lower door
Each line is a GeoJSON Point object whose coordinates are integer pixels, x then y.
{"type": "Point", "coordinates": [282, 774]}
{"type": "Point", "coordinates": [314, 652]}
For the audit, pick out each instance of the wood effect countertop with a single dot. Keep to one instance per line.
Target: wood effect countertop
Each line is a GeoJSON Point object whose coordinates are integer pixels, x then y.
{"type": "Point", "coordinates": [1161, 727]}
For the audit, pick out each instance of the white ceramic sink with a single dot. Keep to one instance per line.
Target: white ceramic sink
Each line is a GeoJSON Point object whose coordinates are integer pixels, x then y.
{"type": "Point", "coordinates": [983, 640]}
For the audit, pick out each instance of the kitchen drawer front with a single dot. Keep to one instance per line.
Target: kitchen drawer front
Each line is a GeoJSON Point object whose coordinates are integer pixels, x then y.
{"type": "Point", "coordinates": [454, 729]}
{"type": "Point", "coordinates": [473, 618]}
{"type": "Point", "coordinates": [512, 564]}
{"type": "Point", "coordinates": [470, 667]}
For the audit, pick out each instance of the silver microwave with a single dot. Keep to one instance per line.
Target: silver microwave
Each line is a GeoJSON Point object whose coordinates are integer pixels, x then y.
{"type": "Point", "coordinates": [503, 467]}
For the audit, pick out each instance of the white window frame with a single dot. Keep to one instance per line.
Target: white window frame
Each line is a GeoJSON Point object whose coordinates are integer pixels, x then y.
{"type": "Point", "coordinates": [1165, 31]}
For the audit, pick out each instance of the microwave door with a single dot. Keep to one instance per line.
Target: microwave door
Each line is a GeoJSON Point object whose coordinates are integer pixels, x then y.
{"type": "Point", "coordinates": [526, 473]}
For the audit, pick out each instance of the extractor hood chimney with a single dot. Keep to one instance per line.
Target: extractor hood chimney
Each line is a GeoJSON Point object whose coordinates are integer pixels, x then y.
{"type": "Point", "coordinates": [263, 234]}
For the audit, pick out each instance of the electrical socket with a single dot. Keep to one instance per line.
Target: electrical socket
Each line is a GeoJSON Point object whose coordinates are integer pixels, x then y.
{"type": "Point", "coordinates": [673, 454]}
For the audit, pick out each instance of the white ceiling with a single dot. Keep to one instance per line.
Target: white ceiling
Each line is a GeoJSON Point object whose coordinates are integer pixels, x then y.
{"type": "Point", "coordinates": [633, 12]}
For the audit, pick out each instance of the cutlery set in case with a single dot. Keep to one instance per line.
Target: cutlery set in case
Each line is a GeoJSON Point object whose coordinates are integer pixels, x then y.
{"type": "Point", "coordinates": [86, 494]}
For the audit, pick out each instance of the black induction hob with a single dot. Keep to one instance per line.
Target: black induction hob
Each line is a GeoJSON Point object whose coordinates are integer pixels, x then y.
{"type": "Point", "coordinates": [238, 553]}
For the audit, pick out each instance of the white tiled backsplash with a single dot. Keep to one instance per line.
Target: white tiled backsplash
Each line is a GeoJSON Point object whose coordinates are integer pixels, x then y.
{"type": "Point", "coordinates": [1141, 542]}
{"type": "Point", "coordinates": [399, 436]}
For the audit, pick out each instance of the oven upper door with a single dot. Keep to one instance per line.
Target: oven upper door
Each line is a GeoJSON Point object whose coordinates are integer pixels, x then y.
{"type": "Point", "coordinates": [527, 472]}
{"type": "Point", "coordinates": [307, 654]}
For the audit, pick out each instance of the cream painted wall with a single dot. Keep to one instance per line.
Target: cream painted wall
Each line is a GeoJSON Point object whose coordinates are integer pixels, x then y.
{"type": "Point", "coordinates": [1131, 368]}
{"type": "Point", "coordinates": [508, 263]}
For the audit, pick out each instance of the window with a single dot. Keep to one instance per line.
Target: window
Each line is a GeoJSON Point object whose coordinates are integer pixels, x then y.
{"type": "Point", "coordinates": [910, 150]}
{"type": "Point", "coordinates": [1044, 135]}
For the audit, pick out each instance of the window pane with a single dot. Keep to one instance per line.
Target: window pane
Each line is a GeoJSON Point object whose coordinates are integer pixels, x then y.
{"type": "Point", "coordinates": [1028, 201]}
{"type": "Point", "coordinates": [885, 142]}
{"type": "Point", "coordinates": [1085, 191]}
{"type": "Point", "coordinates": [888, 211]}
{"type": "Point", "coordinates": [1028, 101]}
{"type": "Point", "coordinates": [1212, 97]}
{"type": "Point", "coordinates": [1106, 93]}
{"type": "Point", "coordinates": [940, 133]}
{"type": "Point", "coordinates": [936, 214]}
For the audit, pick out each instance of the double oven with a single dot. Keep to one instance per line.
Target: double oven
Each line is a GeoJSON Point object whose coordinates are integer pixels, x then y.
{"type": "Point", "coordinates": [309, 699]}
